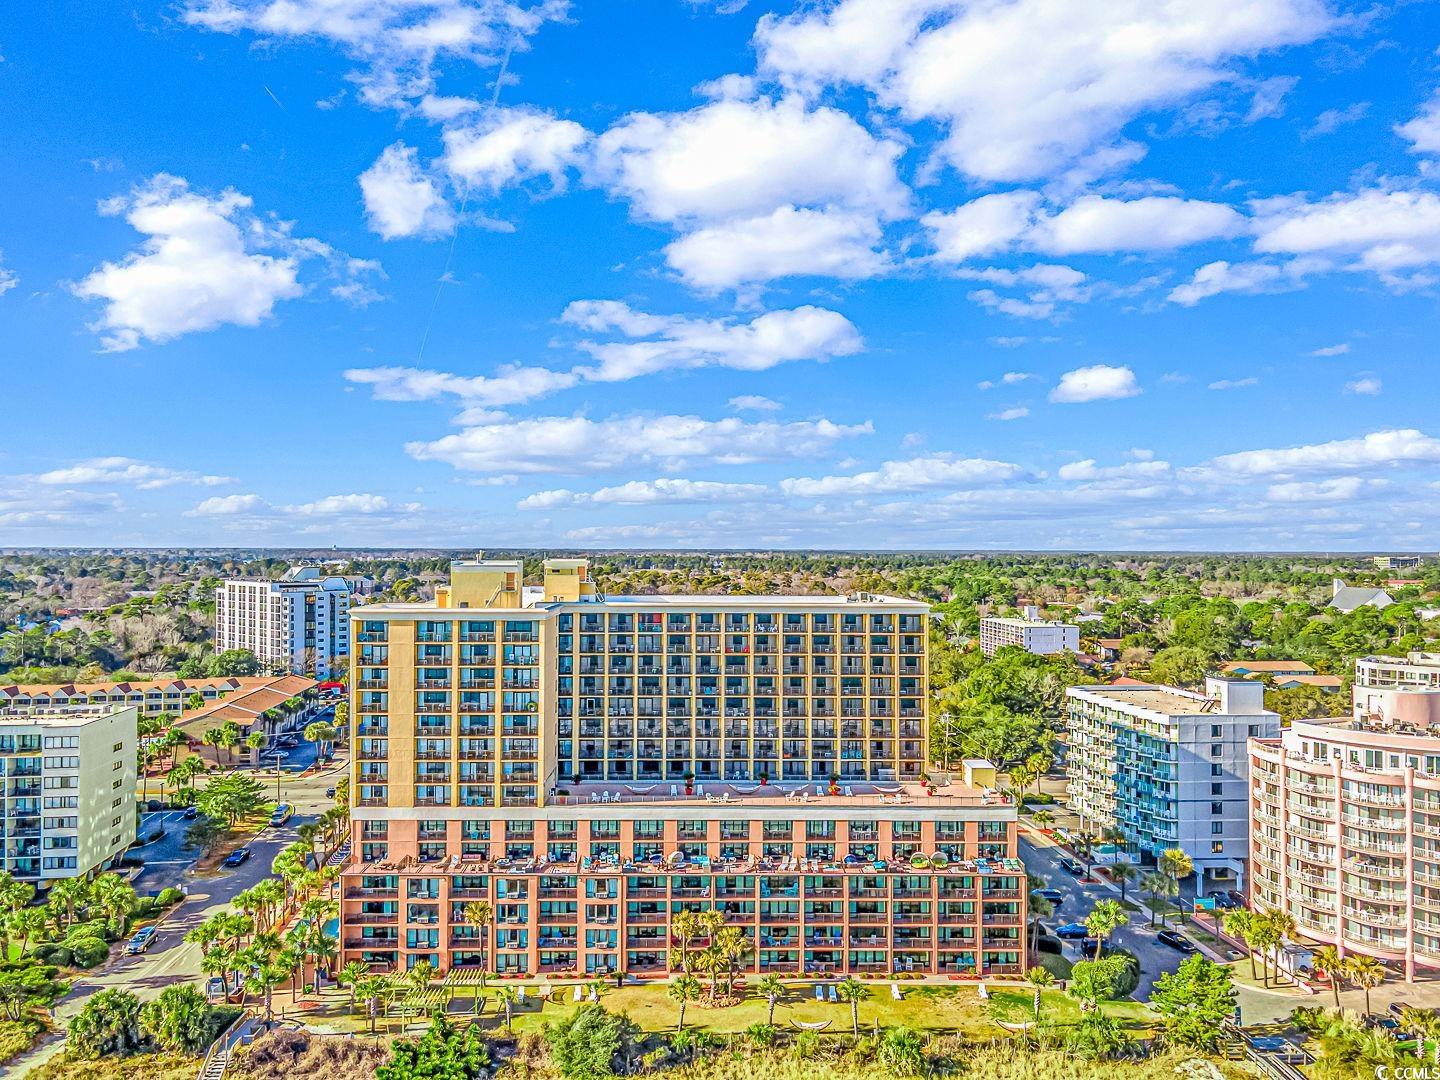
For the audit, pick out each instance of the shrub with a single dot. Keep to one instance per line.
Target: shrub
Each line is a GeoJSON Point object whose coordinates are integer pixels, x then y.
{"type": "Point", "coordinates": [44, 953]}
{"type": "Point", "coordinates": [169, 896]}
{"type": "Point", "coordinates": [86, 952]}
{"type": "Point", "coordinates": [761, 1035]}
{"type": "Point", "coordinates": [108, 1024]}
{"type": "Point", "coordinates": [147, 907]}
{"type": "Point", "coordinates": [59, 955]}
{"type": "Point", "coordinates": [1128, 977]}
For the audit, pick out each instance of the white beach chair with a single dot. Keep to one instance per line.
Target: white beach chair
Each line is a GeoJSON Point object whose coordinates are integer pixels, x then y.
{"type": "Point", "coordinates": [895, 992]}
{"type": "Point", "coordinates": [819, 992]}
{"type": "Point", "coordinates": [674, 791]}
{"type": "Point", "coordinates": [578, 995]}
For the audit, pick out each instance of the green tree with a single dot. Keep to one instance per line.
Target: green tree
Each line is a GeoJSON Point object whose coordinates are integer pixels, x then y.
{"type": "Point", "coordinates": [773, 990]}
{"type": "Point", "coordinates": [587, 1044]}
{"type": "Point", "coordinates": [1104, 919]}
{"type": "Point", "coordinates": [108, 1025]}
{"type": "Point", "coordinates": [1326, 959]}
{"type": "Point", "coordinates": [352, 975]}
{"type": "Point", "coordinates": [1365, 972]}
{"type": "Point", "coordinates": [1094, 981]}
{"type": "Point", "coordinates": [232, 663]}
{"type": "Point", "coordinates": [853, 991]}
{"type": "Point", "coordinates": [1194, 1001]}
{"type": "Point", "coordinates": [231, 798]}
{"type": "Point", "coordinates": [179, 1020]}
{"type": "Point", "coordinates": [442, 1053]}
{"type": "Point", "coordinates": [322, 734]}
{"type": "Point", "coordinates": [901, 1051]}
{"type": "Point", "coordinates": [1096, 1037]}
{"type": "Point", "coordinates": [686, 989]}
{"type": "Point", "coordinates": [25, 988]}
{"type": "Point", "coordinates": [1039, 978]}
{"type": "Point", "coordinates": [1122, 873]}
{"type": "Point", "coordinates": [508, 996]}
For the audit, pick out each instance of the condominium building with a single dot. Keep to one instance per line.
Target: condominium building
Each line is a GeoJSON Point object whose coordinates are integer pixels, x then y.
{"type": "Point", "coordinates": [1396, 562]}
{"type": "Point", "coordinates": [1393, 688]}
{"type": "Point", "coordinates": [1168, 768]}
{"type": "Point", "coordinates": [299, 624]}
{"type": "Point", "coordinates": [590, 766]}
{"type": "Point", "coordinates": [68, 778]}
{"type": "Point", "coordinates": [1029, 632]}
{"type": "Point", "coordinates": [1345, 835]}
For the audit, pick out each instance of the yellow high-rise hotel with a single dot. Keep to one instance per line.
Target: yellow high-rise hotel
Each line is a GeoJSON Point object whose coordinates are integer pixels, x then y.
{"type": "Point", "coordinates": [589, 766]}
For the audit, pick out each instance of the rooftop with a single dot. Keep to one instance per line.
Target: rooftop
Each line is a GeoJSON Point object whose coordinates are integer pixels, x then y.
{"type": "Point", "coordinates": [656, 602]}
{"type": "Point", "coordinates": [56, 716]}
{"type": "Point", "coordinates": [848, 794]}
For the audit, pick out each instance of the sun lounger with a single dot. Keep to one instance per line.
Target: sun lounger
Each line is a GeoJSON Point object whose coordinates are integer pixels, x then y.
{"type": "Point", "coordinates": [895, 992]}
{"type": "Point", "coordinates": [834, 997]}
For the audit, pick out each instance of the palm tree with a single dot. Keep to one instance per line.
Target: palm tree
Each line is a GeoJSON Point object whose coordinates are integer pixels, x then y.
{"type": "Point", "coordinates": [684, 928]}
{"type": "Point", "coordinates": [686, 989]}
{"type": "Point", "coordinates": [1177, 866]}
{"type": "Point", "coordinates": [420, 976]}
{"type": "Point", "coordinates": [219, 961]}
{"type": "Point", "coordinates": [352, 975]}
{"type": "Point", "coordinates": [262, 978]}
{"type": "Point", "coordinates": [1039, 978]}
{"type": "Point", "coordinates": [372, 990]}
{"type": "Point", "coordinates": [114, 897]}
{"type": "Point", "coordinates": [774, 991]}
{"type": "Point", "coordinates": [854, 991]}
{"type": "Point", "coordinates": [1325, 959]}
{"type": "Point", "coordinates": [292, 960]}
{"type": "Point", "coordinates": [1122, 873]}
{"type": "Point", "coordinates": [1160, 887]}
{"type": "Point", "coordinates": [1042, 818]}
{"type": "Point", "coordinates": [29, 923]}
{"type": "Point", "coordinates": [508, 996]}
{"type": "Point", "coordinates": [256, 741]}
{"type": "Point", "coordinates": [1264, 935]}
{"type": "Point", "coordinates": [66, 894]}
{"type": "Point", "coordinates": [1240, 923]}
{"type": "Point", "coordinates": [480, 914]}
{"type": "Point", "coordinates": [1365, 972]}
{"type": "Point", "coordinates": [1104, 919]}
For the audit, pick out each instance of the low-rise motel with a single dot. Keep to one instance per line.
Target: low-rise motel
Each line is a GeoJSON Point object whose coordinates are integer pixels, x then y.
{"type": "Point", "coordinates": [590, 766]}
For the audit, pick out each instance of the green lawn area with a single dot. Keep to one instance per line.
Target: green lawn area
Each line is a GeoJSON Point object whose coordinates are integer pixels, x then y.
{"type": "Point", "coordinates": [945, 1009]}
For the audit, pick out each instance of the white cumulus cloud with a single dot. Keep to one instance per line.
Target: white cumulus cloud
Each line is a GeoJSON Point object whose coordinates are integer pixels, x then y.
{"type": "Point", "coordinates": [1377, 450]}
{"type": "Point", "coordinates": [510, 146]}
{"type": "Point", "coordinates": [124, 470]}
{"type": "Point", "coordinates": [1030, 88]}
{"type": "Point", "coordinates": [577, 444]}
{"type": "Point", "coordinates": [644, 493]}
{"type": "Point", "coordinates": [916, 474]}
{"type": "Point", "coordinates": [401, 199]}
{"type": "Point", "coordinates": [1098, 382]}
{"type": "Point", "coordinates": [227, 506]}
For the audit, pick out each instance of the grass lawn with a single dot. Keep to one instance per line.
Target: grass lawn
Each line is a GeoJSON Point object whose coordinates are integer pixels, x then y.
{"type": "Point", "coordinates": [940, 1009]}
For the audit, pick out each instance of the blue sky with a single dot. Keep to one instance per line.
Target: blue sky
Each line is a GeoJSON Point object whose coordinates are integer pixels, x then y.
{"type": "Point", "coordinates": [867, 274]}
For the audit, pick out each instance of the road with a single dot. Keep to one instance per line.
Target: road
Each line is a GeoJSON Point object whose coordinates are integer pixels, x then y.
{"type": "Point", "coordinates": [1155, 958]}
{"type": "Point", "coordinates": [172, 959]}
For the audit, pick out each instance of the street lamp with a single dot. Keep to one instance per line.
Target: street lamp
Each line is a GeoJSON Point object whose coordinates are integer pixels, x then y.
{"type": "Point", "coordinates": [278, 757]}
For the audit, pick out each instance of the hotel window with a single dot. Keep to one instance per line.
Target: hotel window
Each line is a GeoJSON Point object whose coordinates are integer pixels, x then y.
{"type": "Point", "coordinates": [1217, 847]}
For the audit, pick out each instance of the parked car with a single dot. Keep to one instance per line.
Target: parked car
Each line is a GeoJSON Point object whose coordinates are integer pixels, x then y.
{"type": "Point", "coordinates": [237, 857]}
{"type": "Point", "coordinates": [191, 813]}
{"type": "Point", "coordinates": [1238, 897]}
{"type": "Point", "coordinates": [142, 940]}
{"type": "Point", "coordinates": [329, 792]}
{"type": "Point", "coordinates": [1071, 867]}
{"type": "Point", "coordinates": [1176, 941]}
{"type": "Point", "coordinates": [1070, 930]}
{"type": "Point", "coordinates": [1055, 896]}
{"type": "Point", "coordinates": [1223, 899]}
{"type": "Point", "coordinates": [281, 815]}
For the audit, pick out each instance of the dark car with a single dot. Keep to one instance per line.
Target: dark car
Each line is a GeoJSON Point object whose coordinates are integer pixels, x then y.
{"type": "Point", "coordinates": [191, 813]}
{"type": "Point", "coordinates": [1175, 941]}
{"type": "Point", "coordinates": [236, 857]}
{"type": "Point", "coordinates": [1055, 896]}
{"type": "Point", "coordinates": [1224, 900]}
{"type": "Point", "coordinates": [1070, 866]}
{"type": "Point", "coordinates": [329, 792]}
{"type": "Point", "coordinates": [1089, 946]}
{"type": "Point", "coordinates": [1070, 930]}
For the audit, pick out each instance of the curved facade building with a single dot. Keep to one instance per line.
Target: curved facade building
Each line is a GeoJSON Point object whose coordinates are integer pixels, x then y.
{"type": "Point", "coordinates": [1345, 836]}
{"type": "Point", "coordinates": [1394, 689]}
